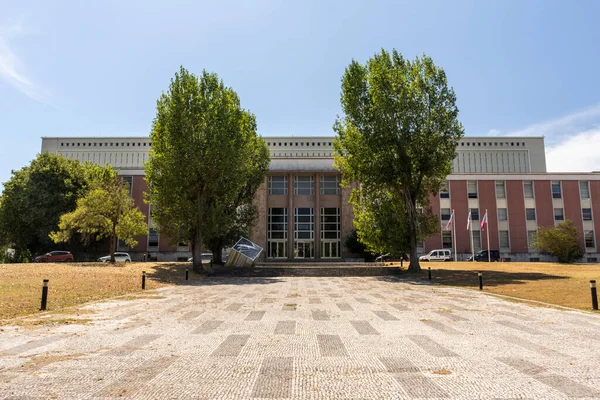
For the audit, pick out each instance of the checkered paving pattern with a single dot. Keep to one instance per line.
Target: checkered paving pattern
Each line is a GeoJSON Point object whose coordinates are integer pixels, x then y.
{"type": "Point", "coordinates": [308, 338]}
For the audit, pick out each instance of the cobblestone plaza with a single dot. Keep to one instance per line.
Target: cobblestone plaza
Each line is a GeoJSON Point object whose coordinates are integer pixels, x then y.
{"type": "Point", "coordinates": [307, 338]}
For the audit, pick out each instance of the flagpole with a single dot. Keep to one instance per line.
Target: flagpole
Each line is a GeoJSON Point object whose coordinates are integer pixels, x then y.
{"type": "Point", "coordinates": [471, 232]}
{"type": "Point", "coordinates": [487, 228]}
{"type": "Point", "coordinates": [454, 235]}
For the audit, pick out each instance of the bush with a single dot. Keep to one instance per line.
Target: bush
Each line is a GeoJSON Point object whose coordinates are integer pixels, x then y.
{"type": "Point", "coordinates": [562, 241]}
{"type": "Point", "coordinates": [9, 255]}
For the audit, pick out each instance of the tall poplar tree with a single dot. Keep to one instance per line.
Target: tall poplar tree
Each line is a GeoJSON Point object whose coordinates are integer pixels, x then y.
{"type": "Point", "coordinates": [206, 163]}
{"type": "Point", "coordinates": [396, 139]}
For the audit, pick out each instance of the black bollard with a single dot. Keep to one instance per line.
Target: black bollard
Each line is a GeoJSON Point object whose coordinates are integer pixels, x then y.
{"type": "Point", "coordinates": [594, 295]}
{"type": "Point", "coordinates": [44, 295]}
{"type": "Point", "coordinates": [429, 273]}
{"type": "Point", "coordinates": [143, 280]}
{"type": "Point", "coordinates": [480, 280]}
{"type": "Point", "coordinates": [187, 276]}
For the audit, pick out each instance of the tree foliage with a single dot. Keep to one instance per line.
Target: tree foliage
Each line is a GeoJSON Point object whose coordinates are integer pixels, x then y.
{"type": "Point", "coordinates": [381, 222]}
{"type": "Point", "coordinates": [396, 139]}
{"type": "Point", "coordinates": [206, 163]}
{"type": "Point", "coordinates": [34, 199]}
{"type": "Point", "coordinates": [563, 241]}
{"type": "Point", "coordinates": [105, 211]}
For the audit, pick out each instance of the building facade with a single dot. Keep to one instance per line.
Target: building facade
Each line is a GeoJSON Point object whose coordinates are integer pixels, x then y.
{"type": "Point", "coordinates": [304, 214]}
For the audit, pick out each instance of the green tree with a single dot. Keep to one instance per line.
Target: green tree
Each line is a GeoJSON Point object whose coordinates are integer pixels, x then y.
{"type": "Point", "coordinates": [105, 211]}
{"type": "Point", "coordinates": [206, 164]}
{"type": "Point", "coordinates": [396, 139]}
{"type": "Point", "coordinates": [563, 241]}
{"type": "Point", "coordinates": [34, 199]}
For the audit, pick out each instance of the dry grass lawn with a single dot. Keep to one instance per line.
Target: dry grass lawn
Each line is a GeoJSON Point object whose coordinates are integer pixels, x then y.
{"type": "Point", "coordinates": [73, 284]}
{"type": "Point", "coordinates": [560, 284]}
{"type": "Point", "coordinates": [78, 283]}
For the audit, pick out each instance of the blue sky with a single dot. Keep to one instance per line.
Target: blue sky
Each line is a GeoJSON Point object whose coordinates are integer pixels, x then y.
{"type": "Point", "coordinates": [74, 68]}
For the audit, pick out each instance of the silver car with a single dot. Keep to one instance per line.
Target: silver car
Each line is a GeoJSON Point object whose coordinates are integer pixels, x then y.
{"type": "Point", "coordinates": [119, 257]}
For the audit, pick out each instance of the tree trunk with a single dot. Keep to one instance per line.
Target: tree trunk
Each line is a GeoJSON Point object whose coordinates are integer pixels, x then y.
{"type": "Point", "coordinates": [112, 240]}
{"type": "Point", "coordinates": [413, 229]}
{"type": "Point", "coordinates": [197, 253]}
{"type": "Point", "coordinates": [216, 252]}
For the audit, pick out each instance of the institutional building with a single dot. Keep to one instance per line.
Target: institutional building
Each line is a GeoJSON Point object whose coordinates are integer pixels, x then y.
{"type": "Point", "coordinates": [303, 213]}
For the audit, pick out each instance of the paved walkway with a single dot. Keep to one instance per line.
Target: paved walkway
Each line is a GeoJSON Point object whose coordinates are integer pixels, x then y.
{"type": "Point", "coordinates": [308, 338]}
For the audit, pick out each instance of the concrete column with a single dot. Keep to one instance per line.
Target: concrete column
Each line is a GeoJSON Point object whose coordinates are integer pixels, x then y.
{"type": "Point", "coordinates": [317, 214]}
{"type": "Point", "coordinates": [290, 216]}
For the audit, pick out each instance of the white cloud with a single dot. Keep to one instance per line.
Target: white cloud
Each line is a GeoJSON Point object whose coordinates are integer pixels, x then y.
{"type": "Point", "coordinates": [564, 127]}
{"type": "Point", "coordinates": [11, 70]}
{"type": "Point", "coordinates": [571, 141]}
{"type": "Point", "coordinates": [579, 153]}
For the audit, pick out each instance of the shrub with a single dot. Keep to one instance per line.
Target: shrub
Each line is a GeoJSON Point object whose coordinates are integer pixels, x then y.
{"type": "Point", "coordinates": [562, 241]}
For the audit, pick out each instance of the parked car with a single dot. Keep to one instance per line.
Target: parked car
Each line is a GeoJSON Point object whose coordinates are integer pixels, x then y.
{"type": "Point", "coordinates": [437, 255]}
{"type": "Point", "coordinates": [386, 257]}
{"type": "Point", "coordinates": [482, 255]}
{"type": "Point", "coordinates": [55, 256]}
{"type": "Point", "coordinates": [119, 257]}
{"type": "Point", "coordinates": [206, 258]}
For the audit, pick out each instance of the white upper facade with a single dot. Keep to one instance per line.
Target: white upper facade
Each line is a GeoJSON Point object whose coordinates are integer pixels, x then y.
{"type": "Point", "coordinates": [474, 154]}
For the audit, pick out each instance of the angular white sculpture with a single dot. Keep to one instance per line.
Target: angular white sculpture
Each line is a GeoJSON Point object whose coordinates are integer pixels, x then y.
{"type": "Point", "coordinates": [243, 253]}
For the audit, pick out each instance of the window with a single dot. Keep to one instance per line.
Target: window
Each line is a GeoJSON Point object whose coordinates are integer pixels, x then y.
{"type": "Point", "coordinates": [129, 180]}
{"type": "Point", "coordinates": [528, 189]}
{"type": "Point", "coordinates": [330, 223]}
{"type": "Point", "coordinates": [500, 190]}
{"type": "Point", "coordinates": [304, 184]}
{"type": "Point", "coordinates": [531, 238]}
{"type": "Point", "coordinates": [444, 193]}
{"type": "Point", "coordinates": [330, 184]}
{"type": "Point", "coordinates": [559, 214]}
{"type": "Point", "coordinates": [586, 213]}
{"type": "Point", "coordinates": [304, 223]}
{"type": "Point", "coordinates": [530, 214]}
{"type": "Point", "coordinates": [445, 214]}
{"type": "Point", "coordinates": [503, 238]}
{"type": "Point", "coordinates": [589, 239]}
{"type": "Point", "coordinates": [556, 192]}
{"type": "Point", "coordinates": [152, 238]}
{"type": "Point", "coordinates": [584, 190]}
{"type": "Point", "coordinates": [502, 214]}
{"type": "Point", "coordinates": [472, 189]}
{"type": "Point", "coordinates": [277, 233]}
{"type": "Point", "coordinates": [477, 240]}
{"type": "Point", "coordinates": [278, 185]}
{"type": "Point", "coordinates": [446, 239]}
{"type": "Point", "coordinates": [330, 233]}
{"type": "Point", "coordinates": [474, 214]}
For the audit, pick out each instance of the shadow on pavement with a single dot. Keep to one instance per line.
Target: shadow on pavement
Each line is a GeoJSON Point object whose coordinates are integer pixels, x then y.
{"type": "Point", "coordinates": [174, 273]}
{"type": "Point", "coordinates": [469, 278]}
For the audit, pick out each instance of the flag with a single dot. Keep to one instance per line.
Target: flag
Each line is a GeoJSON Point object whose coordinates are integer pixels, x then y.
{"type": "Point", "coordinates": [484, 221]}
{"type": "Point", "coordinates": [450, 221]}
{"type": "Point", "coordinates": [469, 220]}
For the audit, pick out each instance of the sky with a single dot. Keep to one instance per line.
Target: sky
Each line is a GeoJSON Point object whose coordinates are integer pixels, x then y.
{"type": "Point", "coordinates": [79, 68]}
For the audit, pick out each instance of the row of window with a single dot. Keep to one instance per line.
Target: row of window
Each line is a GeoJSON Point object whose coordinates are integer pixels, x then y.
{"type": "Point", "coordinates": [504, 239]}
{"type": "Point", "coordinates": [528, 192]}
{"type": "Point", "coordinates": [474, 144]}
{"type": "Point", "coordinates": [530, 215]}
{"type": "Point", "coordinates": [107, 144]}
{"type": "Point", "coordinates": [301, 144]}
{"type": "Point", "coordinates": [304, 185]}
{"type": "Point", "coordinates": [304, 231]}
{"type": "Point", "coordinates": [327, 154]}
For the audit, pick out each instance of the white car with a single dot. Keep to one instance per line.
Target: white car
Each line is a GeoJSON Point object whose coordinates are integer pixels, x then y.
{"type": "Point", "coordinates": [206, 258]}
{"type": "Point", "coordinates": [437, 255]}
{"type": "Point", "coordinates": [119, 257]}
